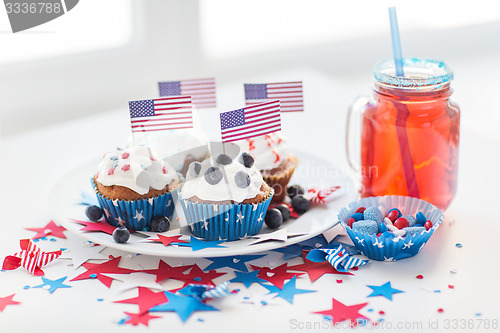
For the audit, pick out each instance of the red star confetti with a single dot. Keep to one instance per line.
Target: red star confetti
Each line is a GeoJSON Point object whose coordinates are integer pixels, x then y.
{"type": "Point", "coordinates": [5, 301]}
{"type": "Point", "coordinates": [138, 318]}
{"type": "Point", "coordinates": [146, 299]}
{"type": "Point", "coordinates": [197, 276]}
{"type": "Point", "coordinates": [51, 229]}
{"type": "Point", "coordinates": [315, 270]}
{"type": "Point", "coordinates": [94, 271]}
{"type": "Point", "coordinates": [167, 240]}
{"type": "Point", "coordinates": [340, 312]}
{"type": "Point", "coordinates": [276, 276]}
{"type": "Point", "coordinates": [165, 271]}
{"type": "Point", "coordinates": [102, 226]}
{"type": "Point", "coordinates": [30, 257]}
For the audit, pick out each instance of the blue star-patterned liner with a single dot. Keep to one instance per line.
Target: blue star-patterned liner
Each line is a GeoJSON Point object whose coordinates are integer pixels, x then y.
{"type": "Point", "coordinates": [248, 278]}
{"type": "Point", "coordinates": [289, 290]}
{"type": "Point", "coordinates": [197, 244]}
{"type": "Point", "coordinates": [184, 306]}
{"type": "Point", "coordinates": [384, 290]}
{"type": "Point", "coordinates": [236, 262]}
{"type": "Point", "coordinates": [53, 284]}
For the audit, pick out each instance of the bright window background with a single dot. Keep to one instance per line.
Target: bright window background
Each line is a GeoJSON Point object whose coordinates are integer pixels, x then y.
{"type": "Point", "coordinates": [92, 25]}
{"type": "Point", "coordinates": [234, 28]}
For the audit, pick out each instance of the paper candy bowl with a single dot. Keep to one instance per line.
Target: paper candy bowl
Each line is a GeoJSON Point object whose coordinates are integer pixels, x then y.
{"type": "Point", "coordinates": [387, 247]}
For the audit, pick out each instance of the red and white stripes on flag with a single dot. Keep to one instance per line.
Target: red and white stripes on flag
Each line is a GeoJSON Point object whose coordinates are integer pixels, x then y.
{"type": "Point", "coordinates": [290, 94]}
{"type": "Point", "coordinates": [161, 114]}
{"type": "Point", "coordinates": [30, 257]}
{"type": "Point", "coordinates": [202, 91]}
{"type": "Point", "coordinates": [251, 121]}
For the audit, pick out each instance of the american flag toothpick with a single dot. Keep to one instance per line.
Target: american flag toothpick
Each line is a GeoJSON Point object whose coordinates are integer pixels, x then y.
{"type": "Point", "coordinates": [290, 94]}
{"type": "Point", "coordinates": [202, 91]}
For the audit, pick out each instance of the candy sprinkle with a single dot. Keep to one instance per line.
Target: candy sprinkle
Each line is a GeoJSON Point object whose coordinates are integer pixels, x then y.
{"type": "Point", "coordinates": [458, 245]}
{"type": "Point", "coordinates": [420, 276]}
{"type": "Point", "coordinates": [440, 310]}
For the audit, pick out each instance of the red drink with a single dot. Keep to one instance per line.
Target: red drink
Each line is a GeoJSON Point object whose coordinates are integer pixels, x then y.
{"type": "Point", "coordinates": [410, 135]}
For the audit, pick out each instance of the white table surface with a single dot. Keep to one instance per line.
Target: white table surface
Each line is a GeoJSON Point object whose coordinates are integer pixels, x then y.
{"type": "Point", "coordinates": [32, 163]}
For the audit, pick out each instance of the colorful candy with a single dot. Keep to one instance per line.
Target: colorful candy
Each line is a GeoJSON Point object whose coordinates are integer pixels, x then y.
{"type": "Point", "coordinates": [358, 216]}
{"type": "Point", "coordinates": [365, 226]}
{"type": "Point", "coordinates": [360, 210]}
{"type": "Point", "coordinates": [401, 223]}
{"type": "Point", "coordinates": [421, 218]}
{"type": "Point", "coordinates": [428, 225]}
{"type": "Point", "coordinates": [393, 215]}
{"type": "Point", "coordinates": [374, 214]}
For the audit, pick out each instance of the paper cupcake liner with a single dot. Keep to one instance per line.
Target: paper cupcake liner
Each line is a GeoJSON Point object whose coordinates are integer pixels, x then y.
{"type": "Point", "coordinates": [225, 221]}
{"type": "Point", "coordinates": [280, 182]}
{"type": "Point", "coordinates": [137, 214]}
{"type": "Point", "coordinates": [384, 248]}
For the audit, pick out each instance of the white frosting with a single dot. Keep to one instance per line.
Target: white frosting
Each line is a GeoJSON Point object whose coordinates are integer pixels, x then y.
{"type": "Point", "coordinates": [269, 150]}
{"type": "Point", "coordinates": [174, 145]}
{"type": "Point", "coordinates": [226, 189]}
{"type": "Point", "coordinates": [137, 168]}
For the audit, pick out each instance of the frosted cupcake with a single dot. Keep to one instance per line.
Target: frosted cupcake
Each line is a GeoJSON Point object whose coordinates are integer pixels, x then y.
{"type": "Point", "coordinates": [178, 147]}
{"type": "Point", "coordinates": [133, 186]}
{"type": "Point", "coordinates": [273, 160]}
{"type": "Point", "coordinates": [225, 198]}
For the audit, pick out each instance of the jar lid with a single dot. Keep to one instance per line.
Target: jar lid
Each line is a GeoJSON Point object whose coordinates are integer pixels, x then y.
{"type": "Point", "coordinates": [418, 73]}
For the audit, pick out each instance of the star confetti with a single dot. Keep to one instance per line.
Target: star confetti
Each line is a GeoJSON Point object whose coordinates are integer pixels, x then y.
{"type": "Point", "coordinates": [197, 276]}
{"type": "Point", "coordinates": [290, 251]}
{"type": "Point", "coordinates": [167, 240]}
{"type": "Point", "coordinates": [51, 229]}
{"type": "Point", "coordinates": [146, 299]}
{"type": "Point", "coordinates": [52, 285]}
{"type": "Point", "coordinates": [184, 306]}
{"type": "Point", "coordinates": [30, 257]}
{"type": "Point", "coordinates": [337, 257]}
{"type": "Point", "coordinates": [96, 271]}
{"type": "Point", "coordinates": [276, 276]}
{"type": "Point", "coordinates": [81, 253]}
{"type": "Point", "coordinates": [5, 301]}
{"type": "Point", "coordinates": [248, 278]}
{"type": "Point", "coordinates": [315, 270]}
{"type": "Point", "coordinates": [258, 300]}
{"type": "Point", "coordinates": [139, 318]}
{"type": "Point", "coordinates": [236, 262]}
{"type": "Point", "coordinates": [315, 242]}
{"type": "Point", "coordinates": [201, 291]}
{"type": "Point", "coordinates": [134, 280]}
{"type": "Point", "coordinates": [280, 235]}
{"type": "Point", "coordinates": [340, 312]}
{"type": "Point", "coordinates": [289, 290]}
{"type": "Point", "coordinates": [198, 244]}
{"type": "Point", "coordinates": [102, 226]}
{"type": "Point", "coordinates": [165, 271]}
{"type": "Point", "coordinates": [384, 290]}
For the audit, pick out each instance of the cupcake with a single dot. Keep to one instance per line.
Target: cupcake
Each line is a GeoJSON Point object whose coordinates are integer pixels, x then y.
{"type": "Point", "coordinates": [133, 186]}
{"type": "Point", "coordinates": [225, 198]}
{"type": "Point", "coordinates": [273, 160]}
{"type": "Point", "coordinates": [178, 147]}
{"type": "Point", "coordinates": [385, 238]}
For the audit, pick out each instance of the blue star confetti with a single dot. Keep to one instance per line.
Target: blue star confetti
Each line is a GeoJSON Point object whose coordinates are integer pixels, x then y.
{"type": "Point", "coordinates": [184, 306]}
{"type": "Point", "coordinates": [315, 242]}
{"type": "Point", "coordinates": [248, 278]}
{"type": "Point", "coordinates": [197, 244]}
{"type": "Point", "coordinates": [53, 284]}
{"type": "Point", "coordinates": [236, 262]}
{"type": "Point", "coordinates": [289, 290]}
{"type": "Point", "coordinates": [384, 290]}
{"type": "Point", "coordinates": [291, 251]}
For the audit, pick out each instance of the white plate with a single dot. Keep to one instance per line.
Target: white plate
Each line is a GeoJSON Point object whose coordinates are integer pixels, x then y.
{"type": "Point", "coordinates": [312, 171]}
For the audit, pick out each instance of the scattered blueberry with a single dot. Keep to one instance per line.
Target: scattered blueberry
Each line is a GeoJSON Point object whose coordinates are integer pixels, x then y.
{"type": "Point", "coordinates": [285, 211]}
{"type": "Point", "coordinates": [194, 169]}
{"type": "Point", "coordinates": [121, 235]}
{"type": "Point", "coordinates": [94, 213]}
{"type": "Point", "coordinates": [247, 160]}
{"type": "Point", "coordinates": [300, 204]}
{"type": "Point", "coordinates": [421, 219]}
{"type": "Point", "coordinates": [242, 179]}
{"type": "Point", "coordinates": [223, 159]}
{"type": "Point", "coordinates": [294, 190]}
{"type": "Point", "coordinates": [273, 218]}
{"type": "Point", "coordinates": [213, 175]}
{"type": "Point", "coordinates": [160, 224]}
{"type": "Point", "coordinates": [358, 216]}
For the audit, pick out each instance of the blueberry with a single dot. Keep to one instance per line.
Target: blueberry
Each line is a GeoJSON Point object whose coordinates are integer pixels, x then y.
{"type": "Point", "coordinates": [224, 159]}
{"type": "Point", "coordinates": [121, 235]}
{"type": "Point", "coordinates": [213, 175]}
{"type": "Point", "coordinates": [285, 211]}
{"type": "Point", "coordinates": [300, 204]}
{"type": "Point", "coordinates": [273, 218]}
{"type": "Point", "coordinates": [242, 179]}
{"type": "Point", "coordinates": [160, 224]}
{"type": "Point", "coordinates": [194, 169]}
{"type": "Point", "coordinates": [247, 160]}
{"type": "Point", "coordinates": [294, 190]}
{"type": "Point", "coordinates": [94, 213]}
